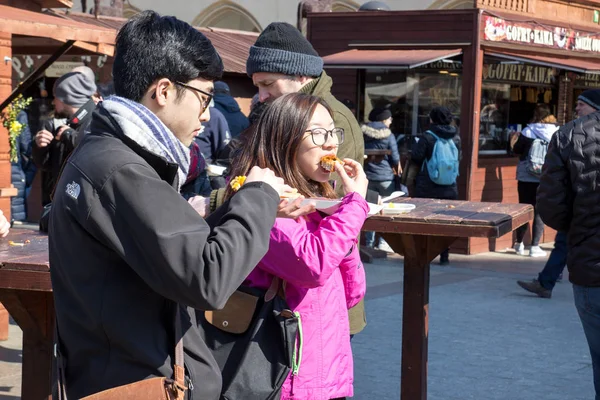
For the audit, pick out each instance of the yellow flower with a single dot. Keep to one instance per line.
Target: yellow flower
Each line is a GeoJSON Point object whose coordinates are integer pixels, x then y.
{"type": "Point", "coordinates": [237, 182]}
{"type": "Point", "coordinates": [15, 126]}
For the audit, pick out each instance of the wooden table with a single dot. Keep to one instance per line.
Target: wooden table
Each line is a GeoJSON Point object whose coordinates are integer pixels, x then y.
{"type": "Point", "coordinates": [26, 292]}
{"type": "Point", "coordinates": [420, 236]}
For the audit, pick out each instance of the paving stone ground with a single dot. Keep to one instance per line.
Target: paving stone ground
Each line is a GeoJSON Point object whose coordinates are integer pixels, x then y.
{"type": "Point", "coordinates": [489, 340]}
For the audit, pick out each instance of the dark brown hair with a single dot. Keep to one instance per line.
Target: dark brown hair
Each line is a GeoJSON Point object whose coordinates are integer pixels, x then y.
{"type": "Point", "coordinates": [273, 142]}
{"type": "Point", "coordinates": [542, 114]}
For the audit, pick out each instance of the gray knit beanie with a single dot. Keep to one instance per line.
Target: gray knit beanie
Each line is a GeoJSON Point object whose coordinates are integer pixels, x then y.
{"type": "Point", "coordinates": [282, 49]}
{"type": "Point", "coordinates": [74, 88]}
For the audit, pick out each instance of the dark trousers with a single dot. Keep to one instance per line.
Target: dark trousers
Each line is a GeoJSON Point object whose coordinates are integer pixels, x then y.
{"type": "Point", "coordinates": [527, 195]}
{"type": "Point", "coordinates": [556, 262]}
{"type": "Point", "coordinates": [587, 302]}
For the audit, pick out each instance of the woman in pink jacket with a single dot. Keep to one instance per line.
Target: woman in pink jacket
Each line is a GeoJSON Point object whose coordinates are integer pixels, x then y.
{"type": "Point", "coordinates": [315, 255]}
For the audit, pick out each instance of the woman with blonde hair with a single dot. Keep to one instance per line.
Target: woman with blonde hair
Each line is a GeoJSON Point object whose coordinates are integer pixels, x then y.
{"type": "Point", "coordinates": [540, 130]}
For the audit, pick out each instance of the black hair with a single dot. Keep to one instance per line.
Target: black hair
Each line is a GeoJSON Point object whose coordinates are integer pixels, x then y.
{"type": "Point", "coordinates": [150, 47]}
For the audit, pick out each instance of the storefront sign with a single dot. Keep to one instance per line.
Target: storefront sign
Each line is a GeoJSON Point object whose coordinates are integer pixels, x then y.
{"type": "Point", "coordinates": [500, 30]}
{"type": "Point", "coordinates": [588, 80]}
{"type": "Point", "coordinates": [519, 73]}
{"type": "Point", "coordinates": [59, 68]}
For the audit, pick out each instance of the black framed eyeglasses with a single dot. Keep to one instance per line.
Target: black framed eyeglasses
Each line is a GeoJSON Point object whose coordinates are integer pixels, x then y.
{"type": "Point", "coordinates": [206, 101]}
{"type": "Point", "coordinates": [320, 136]}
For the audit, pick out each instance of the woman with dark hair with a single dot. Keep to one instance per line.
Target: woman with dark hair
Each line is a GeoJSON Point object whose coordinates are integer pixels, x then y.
{"type": "Point", "coordinates": [542, 128]}
{"type": "Point", "coordinates": [315, 255]}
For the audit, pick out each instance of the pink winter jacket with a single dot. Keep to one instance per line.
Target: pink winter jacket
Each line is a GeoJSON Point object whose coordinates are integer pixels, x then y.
{"type": "Point", "coordinates": [319, 261]}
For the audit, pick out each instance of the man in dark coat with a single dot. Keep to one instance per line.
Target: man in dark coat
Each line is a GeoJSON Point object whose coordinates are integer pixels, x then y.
{"type": "Point", "coordinates": [568, 200]}
{"type": "Point", "coordinates": [127, 252]}
{"type": "Point", "coordinates": [230, 109]}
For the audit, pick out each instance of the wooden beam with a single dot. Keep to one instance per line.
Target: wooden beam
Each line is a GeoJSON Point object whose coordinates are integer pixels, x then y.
{"type": "Point", "coordinates": [55, 3]}
{"type": "Point", "coordinates": [36, 74]}
{"type": "Point", "coordinates": [28, 23]}
{"type": "Point", "coordinates": [26, 45]}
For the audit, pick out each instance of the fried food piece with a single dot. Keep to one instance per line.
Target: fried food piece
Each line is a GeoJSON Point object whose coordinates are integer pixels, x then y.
{"type": "Point", "coordinates": [237, 182]}
{"type": "Point", "coordinates": [328, 162]}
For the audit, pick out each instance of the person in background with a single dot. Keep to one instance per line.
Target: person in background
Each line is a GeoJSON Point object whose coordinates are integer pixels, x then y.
{"type": "Point", "coordinates": [22, 171]}
{"type": "Point", "coordinates": [568, 200]}
{"type": "Point", "coordinates": [74, 100]}
{"type": "Point", "coordinates": [441, 127]}
{"type": "Point", "coordinates": [542, 127]}
{"type": "Point", "coordinates": [230, 109]}
{"type": "Point", "coordinates": [213, 141]}
{"type": "Point", "coordinates": [380, 169]}
{"type": "Point", "coordinates": [588, 102]}
{"type": "Point", "coordinates": [316, 256]}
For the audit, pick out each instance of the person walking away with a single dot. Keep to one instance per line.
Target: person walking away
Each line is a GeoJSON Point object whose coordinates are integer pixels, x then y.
{"type": "Point", "coordinates": [317, 255]}
{"type": "Point", "coordinates": [380, 170]}
{"type": "Point", "coordinates": [438, 153]}
{"type": "Point", "coordinates": [587, 103]}
{"type": "Point", "coordinates": [536, 135]}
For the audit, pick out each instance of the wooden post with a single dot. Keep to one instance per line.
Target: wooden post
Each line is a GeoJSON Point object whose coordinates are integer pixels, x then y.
{"type": "Point", "coordinates": [3, 323]}
{"type": "Point", "coordinates": [5, 89]}
{"type": "Point", "coordinates": [418, 252]}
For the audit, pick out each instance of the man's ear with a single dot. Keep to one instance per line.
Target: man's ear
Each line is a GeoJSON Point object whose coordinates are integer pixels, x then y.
{"type": "Point", "coordinates": [161, 91]}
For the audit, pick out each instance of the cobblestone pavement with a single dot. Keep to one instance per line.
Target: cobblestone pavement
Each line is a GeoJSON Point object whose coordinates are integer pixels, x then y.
{"type": "Point", "coordinates": [489, 340]}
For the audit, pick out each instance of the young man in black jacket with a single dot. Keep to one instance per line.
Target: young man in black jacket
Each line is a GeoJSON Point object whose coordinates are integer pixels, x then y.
{"type": "Point", "coordinates": [127, 252]}
{"type": "Point", "coordinates": [568, 200]}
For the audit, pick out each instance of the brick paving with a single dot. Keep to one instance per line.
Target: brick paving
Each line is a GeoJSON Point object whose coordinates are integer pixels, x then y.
{"type": "Point", "coordinates": [488, 338]}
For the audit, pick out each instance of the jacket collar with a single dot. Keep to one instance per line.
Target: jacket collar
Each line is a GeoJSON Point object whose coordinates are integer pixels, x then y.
{"type": "Point", "coordinates": [376, 130]}
{"type": "Point", "coordinates": [104, 124]}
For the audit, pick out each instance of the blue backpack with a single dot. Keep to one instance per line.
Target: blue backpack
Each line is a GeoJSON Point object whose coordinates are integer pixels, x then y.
{"type": "Point", "coordinates": [443, 164]}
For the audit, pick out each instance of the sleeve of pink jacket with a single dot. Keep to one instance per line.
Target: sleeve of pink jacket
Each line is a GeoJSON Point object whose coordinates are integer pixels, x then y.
{"type": "Point", "coordinates": [353, 275]}
{"type": "Point", "coordinates": [307, 258]}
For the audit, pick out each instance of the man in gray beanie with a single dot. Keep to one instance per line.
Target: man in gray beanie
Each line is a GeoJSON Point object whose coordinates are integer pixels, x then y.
{"type": "Point", "coordinates": [282, 61]}
{"type": "Point", "coordinates": [75, 97]}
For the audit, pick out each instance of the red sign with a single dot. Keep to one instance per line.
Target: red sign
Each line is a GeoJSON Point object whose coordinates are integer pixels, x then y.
{"type": "Point", "coordinates": [500, 30]}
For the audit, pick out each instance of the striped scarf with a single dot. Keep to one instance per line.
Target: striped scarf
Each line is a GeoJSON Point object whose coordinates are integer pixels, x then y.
{"type": "Point", "coordinates": [143, 127]}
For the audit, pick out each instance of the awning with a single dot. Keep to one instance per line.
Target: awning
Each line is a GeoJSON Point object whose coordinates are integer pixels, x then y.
{"type": "Point", "coordinates": [401, 59]}
{"type": "Point", "coordinates": [588, 66]}
{"type": "Point", "coordinates": [29, 23]}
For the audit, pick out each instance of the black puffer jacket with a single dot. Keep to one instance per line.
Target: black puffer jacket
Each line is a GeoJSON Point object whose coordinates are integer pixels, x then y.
{"type": "Point", "coordinates": [568, 198]}
{"type": "Point", "coordinates": [423, 150]}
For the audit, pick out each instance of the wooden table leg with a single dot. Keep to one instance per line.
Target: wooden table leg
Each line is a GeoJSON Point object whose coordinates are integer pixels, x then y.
{"type": "Point", "coordinates": [33, 311]}
{"type": "Point", "coordinates": [3, 323]}
{"type": "Point", "coordinates": [418, 252]}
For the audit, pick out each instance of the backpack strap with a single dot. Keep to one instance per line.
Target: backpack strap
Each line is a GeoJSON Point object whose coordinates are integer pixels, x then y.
{"type": "Point", "coordinates": [179, 365]}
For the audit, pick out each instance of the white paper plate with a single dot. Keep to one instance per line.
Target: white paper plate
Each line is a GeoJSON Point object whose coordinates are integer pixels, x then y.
{"type": "Point", "coordinates": [330, 206]}
{"type": "Point", "coordinates": [397, 208]}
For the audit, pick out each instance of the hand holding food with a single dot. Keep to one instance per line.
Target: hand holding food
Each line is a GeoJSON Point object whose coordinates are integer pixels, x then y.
{"type": "Point", "coordinates": [267, 176]}
{"type": "Point", "coordinates": [353, 177]}
{"type": "Point", "coordinates": [329, 161]}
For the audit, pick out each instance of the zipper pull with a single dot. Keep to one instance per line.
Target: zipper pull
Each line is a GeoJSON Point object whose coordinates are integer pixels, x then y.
{"type": "Point", "coordinates": [190, 385]}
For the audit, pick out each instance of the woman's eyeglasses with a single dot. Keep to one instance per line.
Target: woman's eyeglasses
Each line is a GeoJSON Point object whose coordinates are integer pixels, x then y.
{"type": "Point", "coordinates": [320, 136]}
{"type": "Point", "coordinates": [205, 99]}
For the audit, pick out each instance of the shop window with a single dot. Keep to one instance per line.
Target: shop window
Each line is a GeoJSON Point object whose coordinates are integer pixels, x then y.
{"type": "Point", "coordinates": [509, 94]}
{"type": "Point", "coordinates": [228, 15]}
{"type": "Point", "coordinates": [411, 94]}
